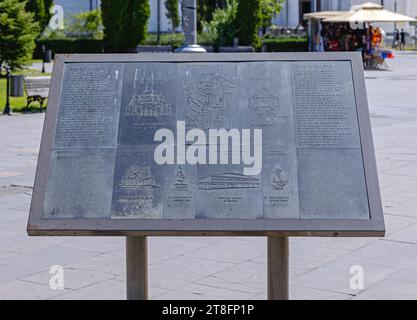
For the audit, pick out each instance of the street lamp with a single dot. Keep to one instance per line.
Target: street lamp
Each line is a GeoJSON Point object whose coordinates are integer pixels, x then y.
{"type": "Point", "coordinates": [158, 18]}
{"type": "Point", "coordinates": [7, 109]}
{"type": "Point", "coordinates": [43, 58]}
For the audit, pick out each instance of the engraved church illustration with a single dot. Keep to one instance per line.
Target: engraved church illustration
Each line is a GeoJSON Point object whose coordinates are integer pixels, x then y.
{"type": "Point", "coordinates": [148, 104]}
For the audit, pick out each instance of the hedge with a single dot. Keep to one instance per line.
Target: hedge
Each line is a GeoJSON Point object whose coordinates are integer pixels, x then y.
{"type": "Point", "coordinates": [68, 46]}
{"type": "Point", "coordinates": [71, 45]}
{"type": "Point", "coordinates": [286, 44]}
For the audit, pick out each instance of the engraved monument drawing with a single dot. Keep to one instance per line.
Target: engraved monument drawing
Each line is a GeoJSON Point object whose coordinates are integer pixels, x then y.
{"type": "Point", "coordinates": [180, 180]}
{"type": "Point", "coordinates": [278, 182]}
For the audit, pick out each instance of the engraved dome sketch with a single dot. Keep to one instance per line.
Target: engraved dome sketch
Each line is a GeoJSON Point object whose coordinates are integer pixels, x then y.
{"type": "Point", "coordinates": [148, 104]}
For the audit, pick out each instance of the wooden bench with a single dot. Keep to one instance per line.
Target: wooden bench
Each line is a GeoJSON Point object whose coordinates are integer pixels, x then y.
{"type": "Point", "coordinates": [37, 89]}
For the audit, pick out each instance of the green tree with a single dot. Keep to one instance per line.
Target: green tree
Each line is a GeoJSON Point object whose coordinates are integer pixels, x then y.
{"type": "Point", "coordinates": [125, 23]}
{"type": "Point", "coordinates": [40, 8]}
{"type": "Point", "coordinates": [269, 9]}
{"type": "Point", "coordinates": [248, 22]}
{"type": "Point", "coordinates": [18, 32]}
{"type": "Point", "coordinates": [221, 29]}
{"type": "Point", "coordinates": [113, 15]}
{"type": "Point", "coordinates": [172, 13]}
{"type": "Point", "coordinates": [48, 14]}
{"type": "Point", "coordinates": [86, 25]}
{"type": "Point", "coordinates": [206, 9]}
{"type": "Point", "coordinates": [137, 20]}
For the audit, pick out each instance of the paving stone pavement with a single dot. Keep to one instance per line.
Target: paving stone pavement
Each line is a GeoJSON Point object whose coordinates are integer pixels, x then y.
{"type": "Point", "coordinates": [225, 267]}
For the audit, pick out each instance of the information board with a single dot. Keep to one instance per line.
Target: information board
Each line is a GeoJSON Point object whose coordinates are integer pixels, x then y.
{"type": "Point", "coordinates": [210, 144]}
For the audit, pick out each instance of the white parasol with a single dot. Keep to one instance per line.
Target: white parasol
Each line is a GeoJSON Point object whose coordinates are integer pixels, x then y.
{"type": "Point", "coordinates": [369, 12]}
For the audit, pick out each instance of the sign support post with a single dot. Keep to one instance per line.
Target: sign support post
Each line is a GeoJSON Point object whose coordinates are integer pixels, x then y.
{"type": "Point", "coordinates": [136, 268]}
{"type": "Point", "coordinates": [278, 268]}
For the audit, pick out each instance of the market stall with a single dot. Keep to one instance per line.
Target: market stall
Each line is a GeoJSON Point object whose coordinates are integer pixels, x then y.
{"type": "Point", "coordinates": [353, 31]}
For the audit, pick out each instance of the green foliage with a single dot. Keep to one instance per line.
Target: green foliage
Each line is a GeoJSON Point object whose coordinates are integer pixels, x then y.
{"type": "Point", "coordinates": [221, 29]}
{"type": "Point", "coordinates": [113, 14]}
{"type": "Point", "coordinates": [269, 9]}
{"type": "Point", "coordinates": [125, 22]}
{"type": "Point", "coordinates": [137, 18]}
{"type": "Point", "coordinates": [86, 25]}
{"type": "Point", "coordinates": [40, 8]}
{"type": "Point", "coordinates": [18, 32]}
{"type": "Point", "coordinates": [206, 9]}
{"type": "Point", "coordinates": [172, 13]}
{"type": "Point", "coordinates": [248, 22]}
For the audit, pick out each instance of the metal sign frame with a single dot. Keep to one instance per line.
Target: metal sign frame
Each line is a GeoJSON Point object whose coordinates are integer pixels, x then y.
{"type": "Point", "coordinates": [39, 226]}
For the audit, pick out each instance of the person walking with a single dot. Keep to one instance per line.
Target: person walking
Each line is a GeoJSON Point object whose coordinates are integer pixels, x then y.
{"type": "Point", "coordinates": [402, 39]}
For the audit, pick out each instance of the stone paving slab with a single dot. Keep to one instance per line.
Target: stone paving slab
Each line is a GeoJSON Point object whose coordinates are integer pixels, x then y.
{"type": "Point", "coordinates": [225, 267]}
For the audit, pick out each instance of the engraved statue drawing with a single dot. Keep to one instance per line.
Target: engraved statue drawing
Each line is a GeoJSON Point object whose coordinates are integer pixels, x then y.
{"type": "Point", "coordinates": [180, 177]}
{"type": "Point", "coordinates": [277, 181]}
{"type": "Point", "coordinates": [180, 180]}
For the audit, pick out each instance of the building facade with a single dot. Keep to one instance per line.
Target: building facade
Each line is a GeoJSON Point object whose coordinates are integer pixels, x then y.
{"type": "Point", "coordinates": [291, 15]}
{"type": "Point", "coordinates": [72, 7]}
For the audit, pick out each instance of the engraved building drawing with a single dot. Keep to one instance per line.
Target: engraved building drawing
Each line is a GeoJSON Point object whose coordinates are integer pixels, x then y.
{"type": "Point", "coordinates": [228, 181]}
{"type": "Point", "coordinates": [264, 104]}
{"type": "Point", "coordinates": [148, 104]}
{"type": "Point", "coordinates": [138, 177]}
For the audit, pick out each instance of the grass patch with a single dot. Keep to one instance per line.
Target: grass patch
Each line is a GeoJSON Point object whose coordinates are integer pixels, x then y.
{"type": "Point", "coordinates": [18, 104]}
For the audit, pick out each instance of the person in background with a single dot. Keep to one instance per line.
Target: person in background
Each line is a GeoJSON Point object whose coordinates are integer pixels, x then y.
{"type": "Point", "coordinates": [376, 38]}
{"type": "Point", "coordinates": [402, 39]}
{"type": "Point", "coordinates": [396, 39]}
{"type": "Point", "coordinates": [369, 41]}
{"type": "Point", "coordinates": [383, 37]}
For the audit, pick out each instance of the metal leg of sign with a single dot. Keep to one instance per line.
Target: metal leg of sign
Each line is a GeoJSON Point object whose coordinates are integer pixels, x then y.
{"type": "Point", "coordinates": [278, 275]}
{"type": "Point", "coordinates": [136, 268]}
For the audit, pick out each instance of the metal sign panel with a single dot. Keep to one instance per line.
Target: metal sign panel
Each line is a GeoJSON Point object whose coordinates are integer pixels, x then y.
{"type": "Point", "coordinates": [212, 144]}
